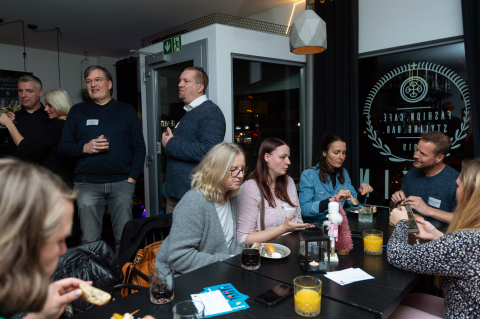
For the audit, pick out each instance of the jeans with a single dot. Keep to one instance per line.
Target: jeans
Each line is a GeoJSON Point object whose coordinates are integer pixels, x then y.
{"type": "Point", "coordinates": [91, 208]}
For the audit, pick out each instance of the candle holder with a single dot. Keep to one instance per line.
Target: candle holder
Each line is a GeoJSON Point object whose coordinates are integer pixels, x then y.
{"type": "Point", "coordinates": [314, 250]}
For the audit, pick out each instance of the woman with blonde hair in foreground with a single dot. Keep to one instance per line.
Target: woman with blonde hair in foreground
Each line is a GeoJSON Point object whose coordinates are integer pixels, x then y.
{"type": "Point", "coordinates": [204, 221]}
{"type": "Point", "coordinates": [453, 256]}
{"type": "Point", "coordinates": [36, 210]}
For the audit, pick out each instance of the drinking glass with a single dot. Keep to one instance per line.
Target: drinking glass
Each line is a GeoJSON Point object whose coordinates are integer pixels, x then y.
{"type": "Point", "coordinates": [188, 310]}
{"type": "Point", "coordinates": [372, 241]}
{"type": "Point", "coordinates": [308, 292]}
{"type": "Point", "coordinates": [108, 142]}
{"type": "Point", "coordinates": [250, 256]}
{"type": "Point", "coordinates": [365, 215]}
{"type": "Point", "coordinates": [161, 285]}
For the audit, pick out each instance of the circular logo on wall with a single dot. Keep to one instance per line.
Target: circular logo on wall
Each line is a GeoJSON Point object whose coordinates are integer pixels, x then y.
{"type": "Point", "coordinates": [415, 104]}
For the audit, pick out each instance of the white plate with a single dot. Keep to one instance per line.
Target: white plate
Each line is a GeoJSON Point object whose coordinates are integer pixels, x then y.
{"type": "Point", "coordinates": [283, 250]}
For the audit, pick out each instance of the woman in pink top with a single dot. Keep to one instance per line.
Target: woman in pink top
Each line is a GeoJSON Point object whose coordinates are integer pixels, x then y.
{"type": "Point", "coordinates": [270, 179]}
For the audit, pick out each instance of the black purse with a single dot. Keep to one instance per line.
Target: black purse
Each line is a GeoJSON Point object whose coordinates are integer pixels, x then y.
{"type": "Point", "coordinates": [94, 261]}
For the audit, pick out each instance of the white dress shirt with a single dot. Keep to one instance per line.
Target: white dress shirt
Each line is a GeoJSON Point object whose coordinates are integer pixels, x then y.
{"type": "Point", "coordinates": [199, 100]}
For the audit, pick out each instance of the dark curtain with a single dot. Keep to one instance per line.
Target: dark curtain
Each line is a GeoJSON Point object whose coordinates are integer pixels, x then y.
{"type": "Point", "coordinates": [126, 86]}
{"type": "Point", "coordinates": [471, 31]}
{"type": "Point", "coordinates": [335, 99]}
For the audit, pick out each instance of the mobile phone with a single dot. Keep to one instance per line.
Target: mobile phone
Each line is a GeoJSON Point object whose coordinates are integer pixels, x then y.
{"type": "Point", "coordinates": [275, 295]}
{"type": "Point", "coordinates": [412, 223]}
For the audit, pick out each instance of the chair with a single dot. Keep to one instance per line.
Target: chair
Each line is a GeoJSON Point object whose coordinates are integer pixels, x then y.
{"type": "Point", "coordinates": [137, 234]}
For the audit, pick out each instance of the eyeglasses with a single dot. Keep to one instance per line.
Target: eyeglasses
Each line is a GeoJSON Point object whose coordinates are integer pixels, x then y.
{"type": "Point", "coordinates": [236, 172]}
{"type": "Point", "coordinates": [203, 76]}
{"type": "Point", "coordinates": [97, 81]}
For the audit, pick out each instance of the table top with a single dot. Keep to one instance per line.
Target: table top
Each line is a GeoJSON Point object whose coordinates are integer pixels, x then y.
{"type": "Point", "coordinates": [246, 282]}
{"type": "Point", "coordinates": [379, 296]}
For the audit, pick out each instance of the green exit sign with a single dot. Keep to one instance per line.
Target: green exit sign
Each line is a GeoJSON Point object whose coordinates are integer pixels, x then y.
{"type": "Point", "coordinates": [172, 45]}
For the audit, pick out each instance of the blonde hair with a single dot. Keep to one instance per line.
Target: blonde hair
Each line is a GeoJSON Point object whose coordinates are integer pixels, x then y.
{"type": "Point", "coordinates": [60, 101]}
{"type": "Point", "coordinates": [467, 212]}
{"type": "Point", "coordinates": [214, 169]}
{"type": "Point", "coordinates": [31, 212]}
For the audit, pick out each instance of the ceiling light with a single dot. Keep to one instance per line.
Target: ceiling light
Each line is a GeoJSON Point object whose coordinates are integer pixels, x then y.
{"type": "Point", "coordinates": [308, 34]}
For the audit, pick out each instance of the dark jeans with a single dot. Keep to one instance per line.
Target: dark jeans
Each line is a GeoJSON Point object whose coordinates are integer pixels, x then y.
{"type": "Point", "coordinates": [91, 208]}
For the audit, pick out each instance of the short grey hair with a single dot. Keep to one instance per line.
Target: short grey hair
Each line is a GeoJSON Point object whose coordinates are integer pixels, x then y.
{"type": "Point", "coordinates": [107, 74]}
{"type": "Point", "coordinates": [33, 78]}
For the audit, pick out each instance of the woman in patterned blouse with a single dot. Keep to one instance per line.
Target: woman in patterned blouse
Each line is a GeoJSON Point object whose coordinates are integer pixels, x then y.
{"type": "Point", "coordinates": [453, 256]}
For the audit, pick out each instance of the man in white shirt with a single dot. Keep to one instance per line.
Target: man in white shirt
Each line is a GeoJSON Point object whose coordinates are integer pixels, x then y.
{"type": "Point", "coordinates": [201, 128]}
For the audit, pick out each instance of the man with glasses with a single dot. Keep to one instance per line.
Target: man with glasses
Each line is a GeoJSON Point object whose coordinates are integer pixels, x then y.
{"type": "Point", "coordinates": [105, 137]}
{"type": "Point", "coordinates": [201, 128]}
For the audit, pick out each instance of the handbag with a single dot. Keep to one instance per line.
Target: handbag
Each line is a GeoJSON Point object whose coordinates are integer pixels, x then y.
{"type": "Point", "coordinates": [94, 261]}
{"type": "Point", "coordinates": [136, 273]}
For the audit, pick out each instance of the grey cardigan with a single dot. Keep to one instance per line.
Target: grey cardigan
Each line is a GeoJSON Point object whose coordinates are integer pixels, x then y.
{"type": "Point", "coordinates": [196, 238]}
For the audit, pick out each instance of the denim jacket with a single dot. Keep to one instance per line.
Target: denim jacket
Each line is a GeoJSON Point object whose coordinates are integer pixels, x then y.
{"type": "Point", "coordinates": [313, 191]}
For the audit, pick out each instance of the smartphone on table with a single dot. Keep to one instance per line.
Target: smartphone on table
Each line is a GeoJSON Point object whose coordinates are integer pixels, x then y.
{"type": "Point", "coordinates": [275, 295]}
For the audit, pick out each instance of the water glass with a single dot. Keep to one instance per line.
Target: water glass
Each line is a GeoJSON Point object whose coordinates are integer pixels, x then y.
{"type": "Point", "coordinates": [161, 285]}
{"type": "Point", "coordinates": [308, 292]}
{"type": "Point", "coordinates": [372, 241]}
{"type": "Point", "coordinates": [365, 216]}
{"type": "Point", "coordinates": [188, 310]}
{"type": "Point", "coordinates": [250, 255]}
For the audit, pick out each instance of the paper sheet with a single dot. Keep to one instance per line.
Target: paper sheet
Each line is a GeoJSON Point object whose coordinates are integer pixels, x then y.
{"type": "Point", "coordinates": [347, 276]}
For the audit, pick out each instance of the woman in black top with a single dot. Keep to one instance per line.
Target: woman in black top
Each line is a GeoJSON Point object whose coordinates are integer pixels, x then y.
{"type": "Point", "coordinates": [57, 105]}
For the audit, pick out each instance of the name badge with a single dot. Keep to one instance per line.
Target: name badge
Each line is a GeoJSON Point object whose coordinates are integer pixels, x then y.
{"type": "Point", "coordinates": [434, 202]}
{"type": "Point", "coordinates": [287, 207]}
{"type": "Point", "coordinates": [92, 122]}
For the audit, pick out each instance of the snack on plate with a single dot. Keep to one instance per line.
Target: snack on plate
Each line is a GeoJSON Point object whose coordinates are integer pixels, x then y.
{"type": "Point", "coordinates": [270, 248]}
{"type": "Point", "coordinates": [119, 316]}
{"type": "Point", "coordinates": [94, 295]}
{"type": "Point", "coordinates": [374, 209]}
{"type": "Point", "coordinates": [354, 201]}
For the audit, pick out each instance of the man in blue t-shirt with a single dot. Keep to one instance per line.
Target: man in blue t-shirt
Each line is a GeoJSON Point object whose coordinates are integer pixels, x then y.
{"type": "Point", "coordinates": [430, 187]}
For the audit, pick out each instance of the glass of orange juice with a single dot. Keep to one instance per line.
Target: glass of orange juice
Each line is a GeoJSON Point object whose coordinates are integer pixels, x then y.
{"type": "Point", "coordinates": [372, 241]}
{"type": "Point", "coordinates": [308, 292]}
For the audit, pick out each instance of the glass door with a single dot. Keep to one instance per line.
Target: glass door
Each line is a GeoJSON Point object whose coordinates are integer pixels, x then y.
{"type": "Point", "coordinates": [165, 109]}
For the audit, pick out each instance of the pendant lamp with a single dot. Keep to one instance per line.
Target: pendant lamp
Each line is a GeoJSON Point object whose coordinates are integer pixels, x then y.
{"type": "Point", "coordinates": [308, 34]}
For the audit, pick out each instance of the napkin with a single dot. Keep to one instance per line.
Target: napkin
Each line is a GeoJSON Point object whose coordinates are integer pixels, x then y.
{"type": "Point", "coordinates": [347, 276]}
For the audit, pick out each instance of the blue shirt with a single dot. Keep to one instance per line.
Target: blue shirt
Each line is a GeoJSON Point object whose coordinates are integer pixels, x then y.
{"type": "Point", "coordinates": [313, 191]}
{"type": "Point", "coordinates": [439, 191]}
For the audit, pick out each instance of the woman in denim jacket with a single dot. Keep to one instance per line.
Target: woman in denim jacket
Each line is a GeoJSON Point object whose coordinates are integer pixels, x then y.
{"type": "Point", "coordinates": [328, 178]}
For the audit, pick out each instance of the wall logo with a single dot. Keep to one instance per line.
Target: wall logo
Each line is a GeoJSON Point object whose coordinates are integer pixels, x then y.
{"type": "Point", "coordinates": [423, 112]}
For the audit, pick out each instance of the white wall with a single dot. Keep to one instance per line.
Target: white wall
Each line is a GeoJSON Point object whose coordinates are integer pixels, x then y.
{"type": "Point", "coordinates": [391, 23]}
{"type": "Point", "coordinates": [44, 64]}
{"type": "Point", "coordinates": [386, 24]}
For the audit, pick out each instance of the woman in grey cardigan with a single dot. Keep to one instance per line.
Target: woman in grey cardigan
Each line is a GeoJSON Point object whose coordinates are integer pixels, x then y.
{"type": "Point", "coordinates": [204, 221]}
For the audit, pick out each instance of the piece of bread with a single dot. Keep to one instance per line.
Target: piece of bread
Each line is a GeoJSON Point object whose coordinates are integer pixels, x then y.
{"type": "Point", "coordinates": [354, 201]}
{"type": "Point", "coordinates": [270, 248]}
{"type": "Point", "coordinates": [94, 295]}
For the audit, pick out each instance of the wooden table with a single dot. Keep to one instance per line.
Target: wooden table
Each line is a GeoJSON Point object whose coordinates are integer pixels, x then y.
{"type": "Point", "coordinates": [379, 296]}
{"type": "Point", "coordinates": [247, 282]}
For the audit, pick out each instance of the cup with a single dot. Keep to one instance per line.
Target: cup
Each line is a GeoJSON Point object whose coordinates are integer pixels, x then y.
{"type": "Point", "coordinates": [365, 215]}
{"type": "Point", "coordinates": [188, 310]}
{"type": "Point", "coordinates": [250, 256]}
{"type": "Point", "coordinates": [372, 241]}
{"type": "Point", "coordinates": [161, 286]}
{"type": "Point", "coordinates": [308, 292]}
{"type": "Point", "coordinates": [108, 142]}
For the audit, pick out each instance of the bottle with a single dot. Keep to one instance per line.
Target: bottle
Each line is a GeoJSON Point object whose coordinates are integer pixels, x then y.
{"type": "Point", "coordinates": [332, 246]}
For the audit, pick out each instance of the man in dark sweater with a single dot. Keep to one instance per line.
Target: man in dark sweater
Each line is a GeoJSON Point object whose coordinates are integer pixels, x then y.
{"type": "Point", "coordinates": [30, 120]}
{"type": "Point", "coordinates": [430, 187]}
{"type": "Point", "coordinates": [105, 137]}
{"type": "Point", "coordinates": [201, 128]}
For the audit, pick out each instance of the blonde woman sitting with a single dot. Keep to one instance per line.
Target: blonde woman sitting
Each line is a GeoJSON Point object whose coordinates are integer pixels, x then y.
{"type": "Point", "coordinates": [204, 221]}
